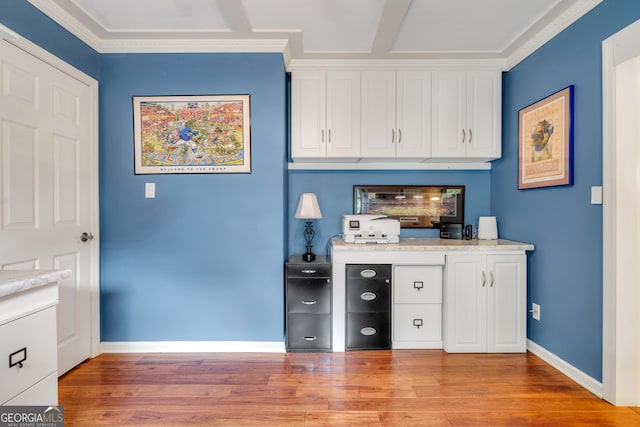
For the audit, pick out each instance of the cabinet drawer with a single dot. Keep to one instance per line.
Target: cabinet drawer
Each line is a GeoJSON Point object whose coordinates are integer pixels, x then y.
{"type": "Point", "coordinates": [31, 341]}
{"type": "Point", "coordinates": [367, 295]}
{"type": "Point", "coordinates": [367, 331]}
{"type": "Point", "coordinates": [417, 284]}
{"type": "Point", "coordinates": [43, 393]}
{"type": "Point", "coordinates": [309, 270]}
{"type": "Point", "coordinates": [308, 296]}
{"type": "Point", "coordinates": [308, 332]}
{"type": "Point", "coordinates": [417, 322]}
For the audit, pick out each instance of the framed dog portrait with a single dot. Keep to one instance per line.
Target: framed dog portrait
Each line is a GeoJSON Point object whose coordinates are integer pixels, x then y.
{"type": "Point", "coordinates": [192, 134]}
{"type": "Point", "coordinates": [546, 142]}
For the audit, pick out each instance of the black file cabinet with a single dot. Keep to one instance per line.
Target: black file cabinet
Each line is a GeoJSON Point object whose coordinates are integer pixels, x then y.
{"type": "Point", "coordinates": [308, 304]}
{"type": "Point", "coordinates": [368, 307]}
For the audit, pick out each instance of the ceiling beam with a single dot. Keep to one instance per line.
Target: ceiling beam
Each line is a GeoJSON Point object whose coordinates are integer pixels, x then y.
{"type": "Point", "coordinates": [390, 23]}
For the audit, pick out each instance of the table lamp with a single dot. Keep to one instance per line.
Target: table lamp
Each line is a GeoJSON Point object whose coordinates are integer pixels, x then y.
{"type": "Point", "coordinates": [308, 210]}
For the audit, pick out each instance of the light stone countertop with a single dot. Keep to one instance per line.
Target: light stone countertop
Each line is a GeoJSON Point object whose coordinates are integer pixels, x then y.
{"type": "Point", "coordinates": [433, 244]}
{"type": "Point", "coordinates": [14, 281]}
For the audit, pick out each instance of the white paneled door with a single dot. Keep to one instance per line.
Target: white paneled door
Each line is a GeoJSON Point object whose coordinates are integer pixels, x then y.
{"type": "Point", "coordinates": [48, 187]}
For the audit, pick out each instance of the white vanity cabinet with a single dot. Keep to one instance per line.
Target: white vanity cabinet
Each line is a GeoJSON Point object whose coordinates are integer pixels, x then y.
{"type": "Point", "coordinates": [28, 338]}
{"type": "Point", "coordinates": [466, 113]}
{"type": "Point", "coordinates": [485, 308]}
{"type": "Point", "coordinates": [325, 115]}
{"type": "Point", "coordinates": [417, 306]}
{"type": "Point", "coordinates": [396, 114]}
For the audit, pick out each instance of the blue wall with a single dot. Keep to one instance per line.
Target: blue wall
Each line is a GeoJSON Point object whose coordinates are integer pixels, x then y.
{"type": "Point", "coordinates": [29, 22]}
{"type": "Point", "coordinates": [565, 271]}
{"type": "Point", "coordinates": [204, 259]}
{"type": "Point", "coordinates": [335, 197]}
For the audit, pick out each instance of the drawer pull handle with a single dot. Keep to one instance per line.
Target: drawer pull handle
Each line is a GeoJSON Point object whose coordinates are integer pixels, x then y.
{"type": "Point", "coordinates": [417, 323]}
{"type": "Point", "coordinates": [20, 356]}
{"type": "Point", "coordinates": [418, 285]}
{"type": "Point", "coordinates": [309, 302]}
{"type": "Point", "coordinates": [368, 274]}
{"type": "Point", "coordinates": [309, 271]}
{"type": "Point", "coordinates": [310, 338]}
{"type": "Point", "coordinates": [368, 331]}
{"type": "Point", "coordinates": [368, 296]}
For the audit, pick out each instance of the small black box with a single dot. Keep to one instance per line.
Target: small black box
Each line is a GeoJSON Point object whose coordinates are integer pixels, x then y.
{"type": "Point", "coordinates": [451, 231]}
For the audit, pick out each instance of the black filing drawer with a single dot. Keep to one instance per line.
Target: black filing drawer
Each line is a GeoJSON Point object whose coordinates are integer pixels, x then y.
{"type": "Point", "coordinates": [368, 331]}
{"type": "Point", "coordinates": [368, 306]}
{"type": "Point", "coordinates": [308, 304]}
{"type": "Point", "coordinates": [309, 332]}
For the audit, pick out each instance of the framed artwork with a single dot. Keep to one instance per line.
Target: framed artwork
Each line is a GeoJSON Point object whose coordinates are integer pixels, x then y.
{"type": "Point", "coordinates": [415, 206]}
{"type": "Point", "coordinates": [192, 134]}
{"type": "Point", "coordinates": [546, 142]}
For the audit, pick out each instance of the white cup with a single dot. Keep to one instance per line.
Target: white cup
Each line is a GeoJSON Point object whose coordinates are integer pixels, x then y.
{"type": "Point", "coordinates": [487, 228]}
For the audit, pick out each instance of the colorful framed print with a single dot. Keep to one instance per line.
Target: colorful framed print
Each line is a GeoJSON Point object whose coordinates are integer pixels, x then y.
{"type": "Point", "coordinates": [546, 142]}
{"type": "Point", "coordinates": [192, 134]}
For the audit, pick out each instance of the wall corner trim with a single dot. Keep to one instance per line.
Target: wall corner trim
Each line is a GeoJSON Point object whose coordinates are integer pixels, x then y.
{"type": "Point", "coordinates": [567, 369]}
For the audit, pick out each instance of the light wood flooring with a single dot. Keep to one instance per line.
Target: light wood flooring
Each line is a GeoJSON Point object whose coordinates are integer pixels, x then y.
{"type": "Point", "coordinates": [356, 388]}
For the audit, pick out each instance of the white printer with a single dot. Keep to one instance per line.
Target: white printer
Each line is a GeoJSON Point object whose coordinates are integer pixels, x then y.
{"type": "Point", "coordinates": [370, 229]}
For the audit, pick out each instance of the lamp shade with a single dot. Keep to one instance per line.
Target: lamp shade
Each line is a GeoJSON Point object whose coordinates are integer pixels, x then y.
{"type": "Point", "coordinates": [308, 207]}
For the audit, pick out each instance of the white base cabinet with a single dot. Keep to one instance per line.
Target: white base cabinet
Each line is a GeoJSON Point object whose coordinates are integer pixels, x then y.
{"type": "Point", "coordinates": [485, 303]}
{"type": "Point", "coordinates": [417, 306]}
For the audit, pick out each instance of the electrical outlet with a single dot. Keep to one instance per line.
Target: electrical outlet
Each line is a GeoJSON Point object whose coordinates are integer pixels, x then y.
{"type": "Point", "coordinates": [535, 311]}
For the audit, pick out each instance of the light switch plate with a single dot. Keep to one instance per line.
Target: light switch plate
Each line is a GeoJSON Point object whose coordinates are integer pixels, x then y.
{"type": "Point", "coordinates": [596, 195]}
{"type": "Point", "coordinates": [150, 190]}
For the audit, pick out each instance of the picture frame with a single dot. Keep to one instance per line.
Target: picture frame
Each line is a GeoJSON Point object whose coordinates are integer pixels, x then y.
{"type": "Point", "coordinates": [192, 134]}
{"type": "Point", "coordinates": [415, 206]}
{"type": "Point", "coordinates": [545, 142]}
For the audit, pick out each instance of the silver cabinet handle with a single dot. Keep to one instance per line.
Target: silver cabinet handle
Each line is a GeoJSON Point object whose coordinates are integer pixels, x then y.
{"type": "Point", "coordinates": [491, 279]}
{"type": "Point", "coordinates": [368, 296]}
{"type": "Point", "coordinates": [307, 271]}
{"type": "Point", "coordinates": [470, 136]}
{"type": "Point", "coordinates": [309, 302]}
{"type": "Point", "coordinates": [464, 135]}
{"type": "Point", "coordinates": [310, 338]}
{"type": "Point", "coordinates": [322, 136]}
{"type": "Point", "coordinates": [368, 331]}
{"type": "Point", "coordinates": [399, 136]}
{"type": "Point", "coordinates": [393, 136]}
{"type": "Point", "coordinates": [368, 273]}
{"type": "Point", "coordinates": [484, 279]}
{"type": "Point", "coordinates": [329, 136]}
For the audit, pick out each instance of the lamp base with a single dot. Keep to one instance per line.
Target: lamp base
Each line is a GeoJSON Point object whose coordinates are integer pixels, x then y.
{"type": "Point", "coordinates": [308, 257]}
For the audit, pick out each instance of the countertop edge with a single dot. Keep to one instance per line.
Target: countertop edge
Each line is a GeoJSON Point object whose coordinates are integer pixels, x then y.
{"type": "Point", "coordinates": [15, 281]}
{"type": "Point", "coordinates": [434, 244]}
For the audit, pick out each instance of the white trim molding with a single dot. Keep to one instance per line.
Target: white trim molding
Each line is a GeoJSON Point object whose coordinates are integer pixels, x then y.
{"type": "Point", "coordinates": [567, 369]}
{"type": "Point", "coordinates": [193, 347]}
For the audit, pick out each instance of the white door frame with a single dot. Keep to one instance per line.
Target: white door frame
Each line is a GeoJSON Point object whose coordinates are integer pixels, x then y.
{"type": "Point", "coordinates": [621, 213]}
{"type": "Point", "coordinates": [45, 56]}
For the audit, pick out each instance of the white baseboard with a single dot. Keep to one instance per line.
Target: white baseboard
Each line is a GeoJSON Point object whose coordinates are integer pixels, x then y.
{"type": "Point", "coordinates": [193, 347]}
{"type": "Point", "coordinates": [572, 372]}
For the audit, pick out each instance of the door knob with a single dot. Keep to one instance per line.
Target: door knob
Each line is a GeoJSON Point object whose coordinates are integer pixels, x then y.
{"type": "Point", "coordinates": [86, 237]}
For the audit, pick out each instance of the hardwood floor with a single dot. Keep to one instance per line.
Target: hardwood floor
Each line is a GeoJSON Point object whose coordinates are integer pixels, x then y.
{"type": "Point", "coordinates": [356, 388]}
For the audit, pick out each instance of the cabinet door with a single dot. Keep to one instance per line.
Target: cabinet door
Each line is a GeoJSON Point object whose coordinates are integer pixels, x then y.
{"type": "Point", "coordinates": [308, 114]}
{"type": "Point", "coordinates": [379, 134]}
{"type": "Point", "coordinates": [466, 304]}
{"type": "Point", "coordinates": [413, 115]}
{"type": "Point", "coordinates": [343, 114]}
{"type": "Point", "coordinates": [484, 103]}
{"type": "Point", "coordinates": [507, 303]}
{"type": "Point", "coordinates": [448, 114]}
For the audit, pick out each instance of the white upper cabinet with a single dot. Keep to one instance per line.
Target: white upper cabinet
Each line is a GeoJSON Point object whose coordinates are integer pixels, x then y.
{"type": "Point", "coordinates": [396, 115]}
{"type": "Point", "coordinates": [325, 115]}
{"type": "Point", "coordinates": [466, 110]}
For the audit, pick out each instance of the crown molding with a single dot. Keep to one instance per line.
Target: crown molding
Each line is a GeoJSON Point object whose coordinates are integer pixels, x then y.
{"type": "Point", "coordinates": [397, 64]}
{"type": "Point", "coordinates": [555, 27]}
{"type": "Point", "coordinates": [195, 45]}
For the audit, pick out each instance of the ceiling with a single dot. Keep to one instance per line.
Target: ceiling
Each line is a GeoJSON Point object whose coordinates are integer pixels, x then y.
{"type": "Point", "coordinates": [310, 30]}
